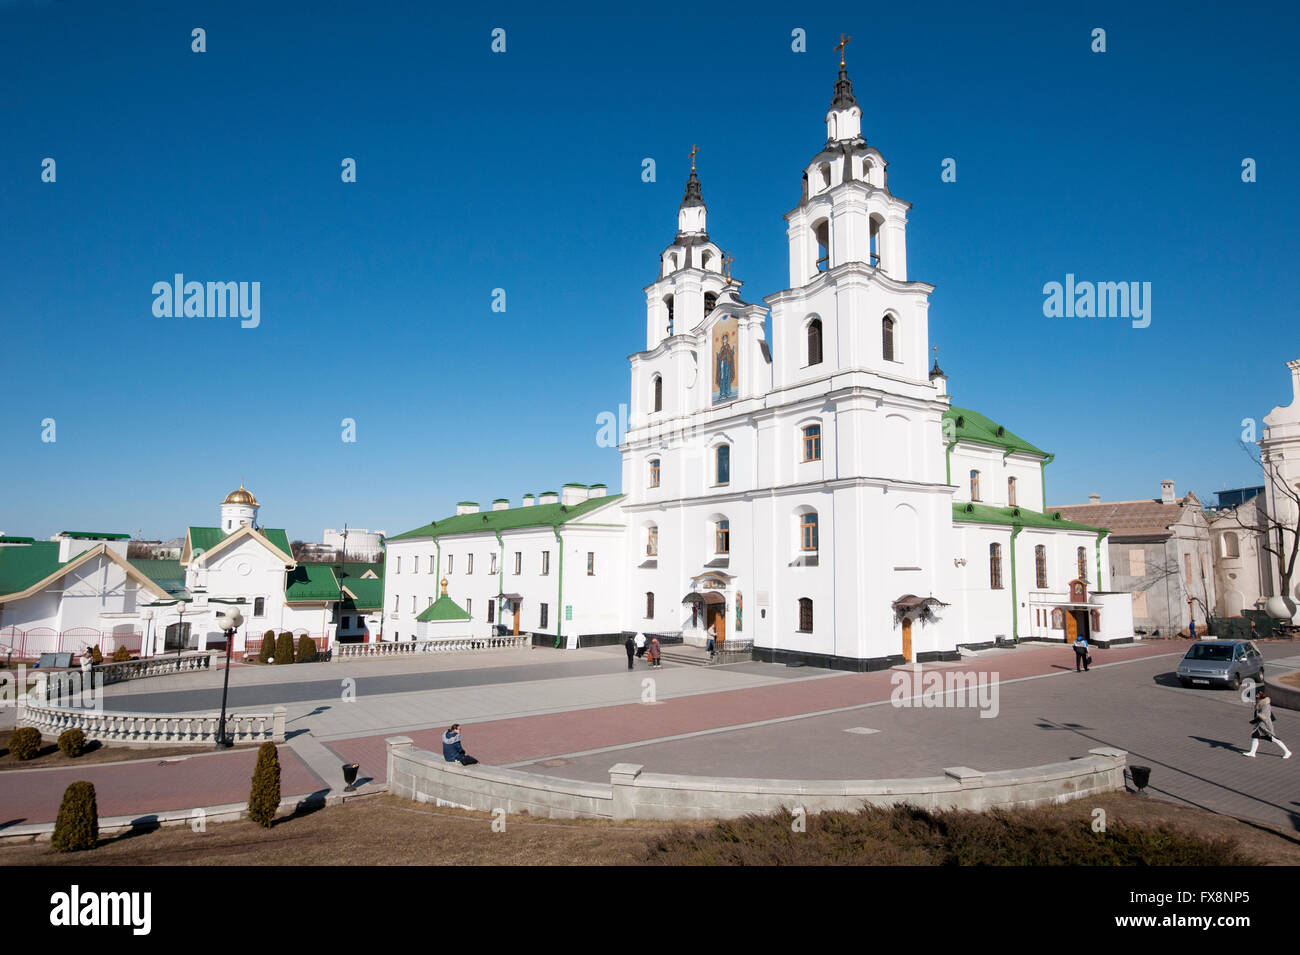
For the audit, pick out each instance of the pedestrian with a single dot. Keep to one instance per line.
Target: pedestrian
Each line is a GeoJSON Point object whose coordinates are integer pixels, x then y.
{"type": "Point", "coordinates": [640, 645]}
{"type": "Point", "coordinates": [1263, 723]}
{"type": "Point", "coordinates": [630, 646]}
{"type": "Point", "coordinates": [452, 750]}
{"type": "Point", "coordinates": [1192, 628]}
{"type": "Point", "coordinates": [712, 644]}
{"type": "Point", "coordinates": [1081, 657]}
{"type": "Point", "coordinates": [654, 651]}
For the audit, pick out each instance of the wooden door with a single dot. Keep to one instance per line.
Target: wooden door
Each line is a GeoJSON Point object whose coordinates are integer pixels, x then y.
{"type": "Point", "coordinates": [515, 606]}
{"type": "Point", "coordinates": [720, 622]}
{"type": "Point", "coordinates": [1071, 626]}
{"type": "Point", "coordinates": [907, 639]}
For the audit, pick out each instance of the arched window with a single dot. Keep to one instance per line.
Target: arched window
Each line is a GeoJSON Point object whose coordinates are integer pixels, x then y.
{"type": "Point", "coordinates": [995, 566]}
{"type": "Point", "coordinates": [722, 470]}
{"type": "Point", "coordinates": [887, 338]}
{"type": "Point", "coordinates": [1083, 563]}
{"type": "Point", "coordinates": [652, 541]}
{"type": "Point", "coordinates": [808, 531]}
{"type": "Point", "coordinates": [1040, 566]}
{"type": "Point", "coordinates": [815, 342]}
{"type": "Point", "coordinates": [649, 605]}
{"type": "Point", "coordinates": [658, 393]}
{"type": "Point", "coordinates": [821, 232]}
{"type": "Point", "coordinates": [668, 304]}
{"type": "Point", "coordinates": [805, 615]}
{"type": "Point", "coordinates": [974, 485]}
{"type": "Point", "coordinates": [812, 442]}
{"type": "Point", "coordinates": [710, 301]}
{"type": "Point", "coordinates": [1011, 492]}
{"type": "Point", "coordinates": [722, 537]}
{"type": "Point", "coordinates": [874, 250]}
{"type": "Point", "coordinates": [654, 472]}
{"type": "Point", "coordinates": [1231, 546]}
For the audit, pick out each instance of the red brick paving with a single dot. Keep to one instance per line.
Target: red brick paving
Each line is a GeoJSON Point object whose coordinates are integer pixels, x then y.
{"type": "Point", "coordinates": [126, 789]}
{"type": "Point", "coordinates": [534, 737]}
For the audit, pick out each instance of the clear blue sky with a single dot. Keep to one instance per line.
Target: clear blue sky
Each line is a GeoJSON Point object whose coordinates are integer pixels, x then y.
{"type": "Point", "coordinates": [522, 171]}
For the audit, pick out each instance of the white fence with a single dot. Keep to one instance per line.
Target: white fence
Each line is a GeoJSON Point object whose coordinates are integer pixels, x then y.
{"type": "Point", "coordinates": [447, 645]}
{"type": "Point", "coordinates": [155, 666]}
{"type": "Point", "coordinates": [153, 729]}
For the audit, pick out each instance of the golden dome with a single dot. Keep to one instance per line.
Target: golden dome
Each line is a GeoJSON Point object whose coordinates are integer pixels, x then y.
{"type": "Point", "coordinates": [241, 496]}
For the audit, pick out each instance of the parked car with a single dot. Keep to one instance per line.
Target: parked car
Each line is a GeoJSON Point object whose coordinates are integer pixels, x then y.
{"type": "Point", "coordinates": [1221, 663]}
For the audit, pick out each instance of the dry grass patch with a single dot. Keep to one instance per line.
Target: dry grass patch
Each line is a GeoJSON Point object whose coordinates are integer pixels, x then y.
{"type": "Point", "coordinates": [95, 752]}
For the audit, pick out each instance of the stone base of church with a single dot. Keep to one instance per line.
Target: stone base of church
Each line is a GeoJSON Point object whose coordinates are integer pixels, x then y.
{"type": "Point", "coordinates": [826, 660]}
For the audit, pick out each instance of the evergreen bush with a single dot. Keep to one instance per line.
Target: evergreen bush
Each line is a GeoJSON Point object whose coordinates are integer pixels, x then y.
{"type": "Point", "coordinates": [306, 649]}
{"type": "Point", "coordinates": [264, 796]}
{"type": "Point", "coordinates": [121, 655]}
{"type": "Point", "coordinates": [268, 647]}
{"type": "Point", "coordinates": [25, 743]}
{"type": "Point", "coordinates": [284, 648]}
{"type": "Point", "coordinates": [72, 743]}
{"type": "Point", "coordinates": [77, 826]}
{"type": "Point", "coordinates": [96, 657]}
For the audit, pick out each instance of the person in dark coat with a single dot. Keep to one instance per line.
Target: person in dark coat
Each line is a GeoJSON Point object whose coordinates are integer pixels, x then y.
{"type": "Point", "coordinates": [1263, 723]}
{"type": "Point", "coordinates": [452, 750]}
{"type": "Point", "coordinates": [630, 646]}
{"type": "Point", "coordinates": [1081, 658]}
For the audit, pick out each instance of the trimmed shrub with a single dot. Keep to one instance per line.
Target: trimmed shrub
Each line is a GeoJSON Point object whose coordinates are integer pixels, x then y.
{"type": "Point", "coordinates": [77, 826]}
{"type": "Point", "coordinates": [264, 796]}
{"type": "Point", "coordinates": [268, 647]}
{"type": "Point", "coordinates": [121, 655]}
{"type": "Point", "coordinates": [284, 648]}
{"type": "Point", "coordinates": [72, 743]}
{"type": "Point", "coordinates": [25, 743]}
{"type": "Point", "coordinates": [96, 657]}
{"type": "Point", "coordinates": [306, 650]}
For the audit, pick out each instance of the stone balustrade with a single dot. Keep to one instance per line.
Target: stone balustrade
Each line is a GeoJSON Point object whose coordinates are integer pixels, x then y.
{"type": "Point", "coordinates": [155, 666]}
{"type": "Point", "coordinates": [633, 794]}
{"type": "Point", "coordinates": [137, 729]}
{"type": "Point", "coordinates": [351, 651]}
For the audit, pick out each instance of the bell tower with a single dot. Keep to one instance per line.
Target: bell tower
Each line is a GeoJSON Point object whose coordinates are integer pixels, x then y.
{"type": "Point", "coordinates": [239, 509]}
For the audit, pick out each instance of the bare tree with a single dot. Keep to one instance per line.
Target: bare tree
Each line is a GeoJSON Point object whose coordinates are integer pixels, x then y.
{"type": "Point", "coordinates": [1281, 537]}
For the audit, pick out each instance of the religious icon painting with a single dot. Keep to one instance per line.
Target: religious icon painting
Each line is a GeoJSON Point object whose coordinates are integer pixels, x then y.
{"type": "Point", "coordinates": [725, 341]}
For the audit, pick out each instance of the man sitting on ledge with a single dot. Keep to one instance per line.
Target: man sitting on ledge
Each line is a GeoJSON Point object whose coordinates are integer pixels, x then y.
{"type": "Point", "coordinates": [452, 751]}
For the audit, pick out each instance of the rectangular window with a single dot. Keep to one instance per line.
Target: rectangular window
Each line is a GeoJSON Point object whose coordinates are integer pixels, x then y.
{"type": "Point", "coordinates": [469, 606]}
{"type": "Point", "coordinates": [492, 568]}
{"type": "Point", "coordinates": [649, 606]}
{"type": "Point", "coordinates": [995, 566]}
{"type": "Point", "coordinates": [654, 473]}
{"type": "Point", "coordinates": [591, 563]}
{"type": "Point", "coordinates": [345, 623]}
{"type": "Point", "coordinates": [808, 532]}
{"type": "Point", "coordinates": [546, 562]}
{"type": "Point", "coordinates": [723, 536]}
{"type": "Point", "coordinates": [544, 616]}
{"type": "Point", "coordinates": [397, 603]}
{"type": "Point", "coordinates": [812, 443]}
{"type": "Point", "coordinates": [724, 464]}
{"type": "Point", "coordinates": [451, 562]}
{"type": "Point", "coordinates": [1011, 492]}
{"type": "Point", "coordinates": [1187, 564]}
{"type": "Point", "coordinates": [805, 615]}
{"type": "Point", "coordinates": [652, 542]}
{"type": "Point", "coordinates": [1137, 562]}
{"type": "Point", "coordinates": [974, 485]}
{"type": "Point", "coordinates": [397, 566]}
{"type": "Point", "coordinates": [1139, 605]}
{"type": "Point", "coordinates": [432, 564]}
{"type": "Point", "coordinates": [519, 561]}
{"type": "Point", "coordinates": [492, 611]}
{"type": "Point", "coordinates": [259, 607]}
{"type": "Point", "coordinates": [469, 561]}
{"type": "Point", "coordinates": [412, 605]}
{"type": "Point", "coordinates": [416, 561]}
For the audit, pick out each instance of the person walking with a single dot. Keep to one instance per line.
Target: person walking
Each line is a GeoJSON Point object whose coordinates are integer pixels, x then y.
{"type": "Point", "coordinates": [654, 651]}
{"type": "Point", "coordinates": [1081, 658]}
{"type": "Point", "coordinates": [1263, 723]}
{"type": "Point", "coordinates": [712, 644]}
{"type": "Point", "coordinates": [640, 645]}
{"type": "Point", "coordinates": [630, 646]}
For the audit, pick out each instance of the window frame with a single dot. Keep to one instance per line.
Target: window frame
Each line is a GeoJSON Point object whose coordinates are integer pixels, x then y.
{"type": "Point", "coordinates": [812, 443]}
{"type": "Point", "coordinates": [806, 620]}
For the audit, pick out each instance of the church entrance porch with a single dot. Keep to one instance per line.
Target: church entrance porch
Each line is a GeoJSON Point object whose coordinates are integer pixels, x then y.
{"type": "Point", "coordinates": [707, 600]}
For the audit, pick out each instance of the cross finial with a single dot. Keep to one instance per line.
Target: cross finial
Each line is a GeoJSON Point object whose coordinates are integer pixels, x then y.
{"type": "Point", "coordinates": [844, 41]}
{"type": "Point", "coordinates": [936, 352]}
{"type": "Point", "coordinates": [694, 149]}
{"type": "Point", "coordinates": [726, 267]}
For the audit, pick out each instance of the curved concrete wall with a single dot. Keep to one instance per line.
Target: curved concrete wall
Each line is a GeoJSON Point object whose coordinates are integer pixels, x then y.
{"type": "Point", "coordinates": [633, 794]}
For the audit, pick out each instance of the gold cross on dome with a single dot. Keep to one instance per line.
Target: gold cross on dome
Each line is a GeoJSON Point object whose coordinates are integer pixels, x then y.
{"type": "Point", "coordinates": [726, 267]}
{"type": "Point", "coordinates": [844, 41]}
{"type": "Point", "coordinates": [694, 149]}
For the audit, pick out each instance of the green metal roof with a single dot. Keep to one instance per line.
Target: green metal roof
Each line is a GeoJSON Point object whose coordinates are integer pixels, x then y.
{"type": "Point", "coordinates": [1015, 517]}
{"type": "Point", "coordinates": [167, 574]}
{"type": "Point", "coordinates": [368, 594]}
{"type": "Point", "coordinates": [94, 536]}
{"type": "Point", "coordinates": [970, 425]}
{"type": "Point", "coordinates": [20, 567]}
{"type": "Point", "coordinates": [351, 568]}
{"type": "Point", "coordinates": [444, 608]}
{"type": "Point", "coordinates": [6, 539]}
{"type": "Point", "coordinates": [311, 583]}
{"type": "Point", "coordinates": [512, 518]}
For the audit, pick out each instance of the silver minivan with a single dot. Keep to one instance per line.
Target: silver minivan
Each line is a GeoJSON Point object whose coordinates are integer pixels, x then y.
{"type": "Point", "coordinates": [1221, 663]}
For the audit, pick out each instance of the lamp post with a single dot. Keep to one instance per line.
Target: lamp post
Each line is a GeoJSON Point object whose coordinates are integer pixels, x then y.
{"type": "Point", "coordinates": [180, 628]}
{"type": "Point", "coordinates": [229, 621]}
{"type": "Point", "coordinates": [147, 642]}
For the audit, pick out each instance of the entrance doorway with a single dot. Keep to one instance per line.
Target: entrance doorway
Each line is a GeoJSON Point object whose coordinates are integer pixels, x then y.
{"type": "Point", "coordinates": [907, 639]}
{"type": "Point", "coordinates": [177, 636]}
{"type": "Point", "coordinates": [514, 605]}
{"type": "Point", "coordinates": [716, 617]}
{"type": "Point", "coordinates": [1076, 622]}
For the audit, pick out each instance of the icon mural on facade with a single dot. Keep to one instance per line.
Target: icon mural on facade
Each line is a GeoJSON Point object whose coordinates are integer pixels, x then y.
{"type": "Point", "coordinates": [725, 337]}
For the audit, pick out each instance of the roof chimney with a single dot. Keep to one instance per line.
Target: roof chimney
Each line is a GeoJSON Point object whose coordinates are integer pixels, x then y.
{"type": "Point", "coordinates": [500, 504]}
{"type": "Point", "coordinates": [467, 507]}
{"type": "Point", "coordinates": [1094, 498]}
{"type": "Point", "coordinates": [548, 497]}
{"type": "Point", "coordinates": [596, 490]}
{"type": "Point", "coordinates": [1167, 492]}
{"type": "Point", "coordinates": [573, 494]}
{"type": "Point", "coordinates": [528, 501]}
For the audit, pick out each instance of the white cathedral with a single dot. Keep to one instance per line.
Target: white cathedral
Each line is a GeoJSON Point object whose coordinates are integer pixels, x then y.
{"type": "Point", "coordinates": [817, 494]}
